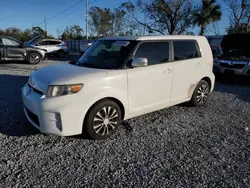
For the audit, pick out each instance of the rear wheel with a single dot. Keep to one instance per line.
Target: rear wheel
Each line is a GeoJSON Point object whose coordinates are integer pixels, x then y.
{"type": "Point", "coordinates": [34, 58]}
{"type": "Point", "coordinates": [103, 119]}
{"type": "Point", "coordinates": [200, 94]}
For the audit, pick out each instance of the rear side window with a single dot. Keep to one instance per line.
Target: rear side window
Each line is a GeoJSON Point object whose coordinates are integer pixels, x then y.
{"type": "Point", "coordinates": [185, 50]}
{"type": "Point", "coordinates": [53, 42]}
{"type": "Point", "coordinates": [43, 43]}
{"type": "Point", "coordinates": [155, 52]}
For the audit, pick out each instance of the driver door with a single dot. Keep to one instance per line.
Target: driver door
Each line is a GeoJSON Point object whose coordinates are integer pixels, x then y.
{"type": "Point", "coordinates": [13, 49]}
{"type": "Point", "coordinates": [149, 88]}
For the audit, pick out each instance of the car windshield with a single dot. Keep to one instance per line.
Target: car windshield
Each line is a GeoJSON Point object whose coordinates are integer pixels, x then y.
{"type": "Point", "coordinates": [107, 54]}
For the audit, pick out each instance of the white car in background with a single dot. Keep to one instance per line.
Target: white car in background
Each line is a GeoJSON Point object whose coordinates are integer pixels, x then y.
{"type": "Point", "coordinates": [84, 45]}
{"type": "Point", "coordinates": [53, 46]}
{"type": "Point", "coordinates": [119, 78]}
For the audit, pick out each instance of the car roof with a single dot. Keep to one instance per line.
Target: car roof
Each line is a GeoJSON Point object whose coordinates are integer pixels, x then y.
{"type": "Point", "coordinates": [160, 37]}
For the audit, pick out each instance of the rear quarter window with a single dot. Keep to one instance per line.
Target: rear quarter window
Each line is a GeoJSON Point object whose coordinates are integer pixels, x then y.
{"type": "Point", "coordinates": [185, 49]}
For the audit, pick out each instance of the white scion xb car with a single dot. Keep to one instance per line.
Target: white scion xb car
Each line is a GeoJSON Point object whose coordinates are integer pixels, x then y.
{"type": "Point", "coordinates": [116, 79]}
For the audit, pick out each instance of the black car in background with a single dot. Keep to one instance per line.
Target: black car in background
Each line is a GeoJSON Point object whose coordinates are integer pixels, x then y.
{"type": "Point", "coordinates": [234, 56]}
{"type": "Point", "coordinates": [13, 50]}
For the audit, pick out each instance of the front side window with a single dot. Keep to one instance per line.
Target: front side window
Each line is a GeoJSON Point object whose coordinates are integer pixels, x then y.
{"type": "Point", "coordinates": [155, 52]}
{"type": "Point", "coordinates": [9, 42]}
{"type": "Point", "coordinates": [107, 54]}
{"type": "Point", "coordinates": [185, 50]}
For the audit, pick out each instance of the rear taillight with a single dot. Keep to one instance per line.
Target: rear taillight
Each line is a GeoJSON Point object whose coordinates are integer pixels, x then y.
{"type": "Point", "coordinates": [67, 46]}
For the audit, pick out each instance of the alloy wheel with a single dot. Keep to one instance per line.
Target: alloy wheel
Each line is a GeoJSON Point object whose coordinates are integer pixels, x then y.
{"type": "Point", "coordinates": [34, 58]}
{"type": "Point", "coordinates": [105, 121]}
{"type": "Point", "coordinates": [202, 94]}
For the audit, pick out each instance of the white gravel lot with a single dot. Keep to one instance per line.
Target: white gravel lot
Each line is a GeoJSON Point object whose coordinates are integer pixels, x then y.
{"type": "Point", "coordinates": [176, 147]}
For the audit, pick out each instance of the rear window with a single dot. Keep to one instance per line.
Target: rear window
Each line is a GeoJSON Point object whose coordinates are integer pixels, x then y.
{"type": "Point", "coordinates": [185, 49]}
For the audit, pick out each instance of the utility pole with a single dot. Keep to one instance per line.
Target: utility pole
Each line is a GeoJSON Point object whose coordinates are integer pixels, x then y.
{"type": "Point", "coordinates": [45, 22]}
{"type": "Point", "coordinates": [87, 19]}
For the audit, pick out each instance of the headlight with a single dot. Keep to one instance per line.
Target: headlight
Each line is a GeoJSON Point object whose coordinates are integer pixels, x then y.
{"type": "Point", "coordinates": [59, 90]}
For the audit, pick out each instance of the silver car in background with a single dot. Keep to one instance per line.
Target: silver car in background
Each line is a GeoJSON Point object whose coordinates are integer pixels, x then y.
{"type": "Point", "coordinates": [234, 57]}
{"type": "Point", "coordinates": [54, 46]}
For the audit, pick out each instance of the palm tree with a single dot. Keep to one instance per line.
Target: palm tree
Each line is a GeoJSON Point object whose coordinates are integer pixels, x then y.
{"type": "Point", "coordinates": [209, 12]}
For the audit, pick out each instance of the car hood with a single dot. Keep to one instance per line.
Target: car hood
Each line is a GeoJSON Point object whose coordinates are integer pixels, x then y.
{"type": "Point", "coordinates": [62, 74]}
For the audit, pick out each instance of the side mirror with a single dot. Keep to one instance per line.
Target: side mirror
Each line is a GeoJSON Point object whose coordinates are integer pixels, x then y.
{"type": "Point", "coordinates": [139, 62]}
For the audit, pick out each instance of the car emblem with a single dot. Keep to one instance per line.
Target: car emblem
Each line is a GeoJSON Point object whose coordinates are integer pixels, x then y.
{"type": "Point", "coordinates": [231, 63]}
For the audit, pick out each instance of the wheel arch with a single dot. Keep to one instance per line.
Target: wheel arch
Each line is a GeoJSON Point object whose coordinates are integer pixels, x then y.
{"type": "Point", "coordinates": [120, 104]}
{"type": "Point", "coordinates": [34, 51]}
{"type": "Point", "coordinates": [208, 80]}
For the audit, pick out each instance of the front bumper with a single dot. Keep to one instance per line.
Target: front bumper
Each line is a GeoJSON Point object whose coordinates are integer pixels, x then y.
{"type": "Point", "coordinates": [232, 67]}
{"type": "Point", "coordinates": [58, 115]}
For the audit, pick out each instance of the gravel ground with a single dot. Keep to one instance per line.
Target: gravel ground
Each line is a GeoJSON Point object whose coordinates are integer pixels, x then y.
{"type": "Point", "coordinates": [175, 147]}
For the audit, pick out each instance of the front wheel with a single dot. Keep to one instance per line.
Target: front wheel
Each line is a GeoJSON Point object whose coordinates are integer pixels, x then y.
{"type": "Point", "coordinates": [34, 58]}
{"type": "Point", "coordinates": [200, 94]}
{"type": "Point", "coordinates": [103, 119]}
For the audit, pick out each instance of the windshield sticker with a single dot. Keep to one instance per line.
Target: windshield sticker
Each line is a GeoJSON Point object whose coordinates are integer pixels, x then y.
{"type": "Point", "coordinates": [122, 43]}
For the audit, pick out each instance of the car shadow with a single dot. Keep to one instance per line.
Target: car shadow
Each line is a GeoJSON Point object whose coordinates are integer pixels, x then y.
{"type": "Point", "coordinates": [12, 118]}
{"type": "Point", "coordinates": [234, 84]}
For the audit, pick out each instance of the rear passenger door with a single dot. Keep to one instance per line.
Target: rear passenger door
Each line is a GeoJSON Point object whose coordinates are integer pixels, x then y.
{"type": "Point", "coordinates": [149, 88]}
{"type": "Point", "coordinates": [187, 63]}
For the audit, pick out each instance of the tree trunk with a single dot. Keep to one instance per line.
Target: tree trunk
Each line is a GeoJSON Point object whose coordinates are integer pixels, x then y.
{"type": "Point", "coordinates": [202, 31]}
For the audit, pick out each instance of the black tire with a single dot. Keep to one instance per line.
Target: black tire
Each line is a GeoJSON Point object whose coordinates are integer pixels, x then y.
{"type": "Point", "coordinates": [34, 58]}
{"type": "Point", "coordinates": [60, 53]}
{"type": "Point", "coordinates": [96, 123]}
{"type": "Point", "coordinates": [201, 94]}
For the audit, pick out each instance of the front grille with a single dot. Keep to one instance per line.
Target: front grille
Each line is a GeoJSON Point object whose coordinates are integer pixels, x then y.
{"type": "Point", "coordinates": [35, 90]}
{"type": "Point", "coordinates": [32, 116]}
{"type": "Point", "coordinates": [234, 66]}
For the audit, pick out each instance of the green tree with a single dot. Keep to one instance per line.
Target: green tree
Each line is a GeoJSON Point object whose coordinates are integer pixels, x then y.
{"type": "Point", "coordinates": [163, 16]}
{"type": "Point", "coordinates": [239, 16]}
{"type": "Point", "coordinates": [208, 12]}
{"type": "Point", "coordinates": [106, 22]}
{"type": "Point", "coordinates": [74, 32]}
{"type": "Point", "coordinates": [242, 28]}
